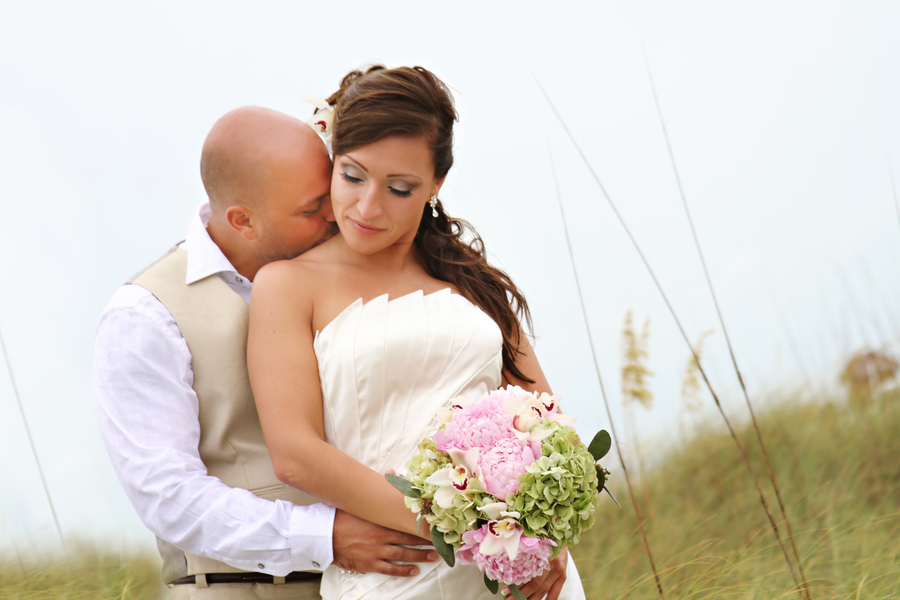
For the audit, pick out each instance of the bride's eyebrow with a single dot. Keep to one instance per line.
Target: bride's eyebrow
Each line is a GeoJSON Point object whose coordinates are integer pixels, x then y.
{"type": "Point", "coordinates": [359, 164]}
{"type": "Point", "coordinates": [356, 162]}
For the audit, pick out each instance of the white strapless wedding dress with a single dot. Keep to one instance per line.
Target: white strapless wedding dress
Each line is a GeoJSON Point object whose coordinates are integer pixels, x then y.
{"type": "Point", "coordinates": [386, 366]}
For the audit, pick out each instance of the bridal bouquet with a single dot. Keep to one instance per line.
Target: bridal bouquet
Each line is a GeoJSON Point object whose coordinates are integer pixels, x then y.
{"type": "Point", "coordinates": [505, 483]}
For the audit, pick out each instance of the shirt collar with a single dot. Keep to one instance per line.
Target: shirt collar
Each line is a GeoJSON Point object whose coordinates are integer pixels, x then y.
{"type": "Point", "coordinates": [204, 256]}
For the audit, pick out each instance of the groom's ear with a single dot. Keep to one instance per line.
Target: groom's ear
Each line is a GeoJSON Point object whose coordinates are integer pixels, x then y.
{"type": "Point", "coordinates": [241, 219]}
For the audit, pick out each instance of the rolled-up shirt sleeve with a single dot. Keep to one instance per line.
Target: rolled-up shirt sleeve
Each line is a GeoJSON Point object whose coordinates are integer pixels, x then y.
{"type": "Point", "coordinates": [147, 411]}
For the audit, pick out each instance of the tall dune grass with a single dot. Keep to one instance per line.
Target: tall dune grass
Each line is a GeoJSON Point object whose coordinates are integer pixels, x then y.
{"type": "Point", "coordinates": [841, 485]}
{"type": "Point", "coordinates": [90, 574]}
{"type": "Point", "coordinates": [765, 504]}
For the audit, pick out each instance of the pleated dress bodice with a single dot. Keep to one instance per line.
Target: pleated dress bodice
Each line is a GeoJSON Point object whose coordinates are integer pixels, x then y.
{"type": "Point", "coordinates": [386, 366]}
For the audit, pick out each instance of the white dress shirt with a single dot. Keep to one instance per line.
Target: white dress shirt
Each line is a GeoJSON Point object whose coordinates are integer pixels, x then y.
{"type": "Point", "coordinates": [148, 418]}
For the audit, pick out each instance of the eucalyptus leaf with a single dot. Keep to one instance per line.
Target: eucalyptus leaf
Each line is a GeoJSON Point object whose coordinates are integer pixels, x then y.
{"type": "Point", "coordinates": [442, 547]}
{"type": "Point", "coordinates": [516, 592]}
{"type": "Point", "coordinates": [492, 586]}
{"type": "Point", "coordinates": [613, 497]}
{"type": "Point", "coordinates": [600, 445]}
{"type": "Point", "coordinates": [406, 488]}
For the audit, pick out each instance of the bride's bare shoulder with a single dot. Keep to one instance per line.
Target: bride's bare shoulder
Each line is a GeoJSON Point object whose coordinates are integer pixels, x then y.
{"type": "Point", "coordinates": [297, 272]}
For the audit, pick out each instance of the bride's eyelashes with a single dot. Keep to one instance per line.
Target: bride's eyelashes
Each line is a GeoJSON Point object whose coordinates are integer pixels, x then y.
{"type": "Point", "coordinates": [350, 178]}
{"type": "Point", "coordinates": [399, 193]}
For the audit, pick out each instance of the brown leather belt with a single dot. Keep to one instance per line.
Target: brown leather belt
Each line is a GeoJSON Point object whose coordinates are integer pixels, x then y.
{"type": "Point", "coordinates": [250, 578]}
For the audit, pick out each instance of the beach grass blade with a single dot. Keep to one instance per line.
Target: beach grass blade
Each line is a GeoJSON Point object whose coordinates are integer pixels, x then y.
{"type": "Point", "coordinates": [894, 188]}
{"type": "Point", "coordinates": [712, 292]}
{"type": "Point", "coordinates": [33, 448]}
{"type": "Point", "coordinates": [612, 425]}
{"type": "Point", "coordinates": [684, 335]}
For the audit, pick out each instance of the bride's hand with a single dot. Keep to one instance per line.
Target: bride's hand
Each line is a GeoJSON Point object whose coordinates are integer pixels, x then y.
{"type": "Point", "coordinates": [549, 583]}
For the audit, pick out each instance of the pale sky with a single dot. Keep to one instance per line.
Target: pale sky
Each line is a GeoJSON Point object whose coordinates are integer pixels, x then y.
{"type": "Point", "coordinates": [782, 118]}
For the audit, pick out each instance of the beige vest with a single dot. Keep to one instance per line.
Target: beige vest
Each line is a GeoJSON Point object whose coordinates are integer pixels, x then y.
{"type": "Point", "coordinates": [213, 320]}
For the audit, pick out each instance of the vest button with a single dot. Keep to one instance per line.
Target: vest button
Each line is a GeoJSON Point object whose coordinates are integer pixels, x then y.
{"type": "Point", "coordinates": [261, 566]}
{"type": "Point", "coordinates": [316, 565]}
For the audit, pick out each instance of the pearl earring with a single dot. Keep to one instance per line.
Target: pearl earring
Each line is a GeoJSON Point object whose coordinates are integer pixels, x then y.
{"type": "Point", "coordinates": [433, 203]}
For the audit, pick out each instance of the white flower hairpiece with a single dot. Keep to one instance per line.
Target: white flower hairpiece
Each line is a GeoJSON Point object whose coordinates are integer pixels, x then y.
{"type": "Point", "coordinates": [322, 120]}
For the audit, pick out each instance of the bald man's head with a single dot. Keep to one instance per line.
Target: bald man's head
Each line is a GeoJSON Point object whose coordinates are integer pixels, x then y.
{"type": "Point", "coordinates": [268, 177]}
{"type": "Point", "coordinates": [242, 147]}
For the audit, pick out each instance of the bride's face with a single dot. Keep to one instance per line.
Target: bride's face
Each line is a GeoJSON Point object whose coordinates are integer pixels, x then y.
{"type": "Point", "coordinates": [379, 192]}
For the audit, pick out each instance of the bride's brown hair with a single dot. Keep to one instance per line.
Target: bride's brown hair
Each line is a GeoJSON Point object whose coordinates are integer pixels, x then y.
{"type": "Point", "coordinates": [413, 102]}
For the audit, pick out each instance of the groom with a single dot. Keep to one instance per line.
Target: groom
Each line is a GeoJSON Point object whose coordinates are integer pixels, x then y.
{"type": "Point", "coordinates": [174, 401]}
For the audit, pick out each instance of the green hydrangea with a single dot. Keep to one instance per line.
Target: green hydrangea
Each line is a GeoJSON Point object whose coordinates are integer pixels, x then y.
{"type": "Point", "coordinates": [461, 517]}
{"type": "Point", "coordinates": [558, 494]}
{"type": "Point", "coordinates": [426, 461]}
{"type": "Point", "coordinates": [453, 521]}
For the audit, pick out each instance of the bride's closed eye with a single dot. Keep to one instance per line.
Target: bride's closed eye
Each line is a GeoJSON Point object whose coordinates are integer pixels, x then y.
{"type": "Point", "coordinates": [350, 178]}
{"type": "Point", "coordinates": [400, 193]}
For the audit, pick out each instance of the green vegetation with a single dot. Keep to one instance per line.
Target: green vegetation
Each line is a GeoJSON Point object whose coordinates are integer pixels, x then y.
{"type": "Point", "coordinates": [839, 471]}
{"type": "Point", "coordinates": [839, 468]}
{"type": "Point", "coordinates": [90, 575]}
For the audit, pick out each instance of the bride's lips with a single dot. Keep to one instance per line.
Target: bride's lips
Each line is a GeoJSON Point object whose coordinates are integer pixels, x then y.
{"type": "Point", "coordinates": [364, 229]}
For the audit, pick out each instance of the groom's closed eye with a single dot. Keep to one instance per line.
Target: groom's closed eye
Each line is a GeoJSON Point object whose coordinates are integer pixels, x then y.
{"type": "Point", "coordinates": [313, 208]}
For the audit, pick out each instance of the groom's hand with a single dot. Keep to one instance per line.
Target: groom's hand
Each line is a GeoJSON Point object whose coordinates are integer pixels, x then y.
{"type": "Point", "coordinates": [362, 546]}
{"type": "Point", "coordinates": [550, 582]}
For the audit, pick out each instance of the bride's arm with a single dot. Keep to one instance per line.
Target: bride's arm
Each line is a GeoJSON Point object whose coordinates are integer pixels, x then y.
{"type": "Point", "coordinates": [285, 380]}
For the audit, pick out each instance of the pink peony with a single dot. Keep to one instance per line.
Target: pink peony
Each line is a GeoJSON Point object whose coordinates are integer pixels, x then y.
{"type": "Point", "coordinates": [532, 560]}
{"type": "Point", "coordinates": [479, 425]}
{"type": "Point", "coordinates": [502, 464]}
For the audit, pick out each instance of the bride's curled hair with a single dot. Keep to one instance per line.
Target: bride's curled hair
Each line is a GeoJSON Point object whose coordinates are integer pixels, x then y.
{"type": "Point", "coordinates": [413, 102]}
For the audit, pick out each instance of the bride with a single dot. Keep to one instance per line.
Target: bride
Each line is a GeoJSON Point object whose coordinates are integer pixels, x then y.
{"type": "Point", "coordinates": [354, 345]}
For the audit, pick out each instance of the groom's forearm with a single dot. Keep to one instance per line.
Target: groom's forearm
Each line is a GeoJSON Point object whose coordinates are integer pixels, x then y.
{"type": "Point", "coordinates": [319, 469]}
{"type": "Point", "coordinates": [148, 419]}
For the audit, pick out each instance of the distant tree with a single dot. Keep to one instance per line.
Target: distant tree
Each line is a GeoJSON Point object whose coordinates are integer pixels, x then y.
{"type": "Point", "coordinates": [866, 374]}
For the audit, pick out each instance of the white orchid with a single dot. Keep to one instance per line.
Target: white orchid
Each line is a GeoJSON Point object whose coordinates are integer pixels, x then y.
{"type": "Point", "coordinates": [529, 411]}
{"type": "Point", "coordinates": [455, 479]}
{"type": "Point", "coordinates": [322, 122]}
{"type": "Point", "coordinates": [497, 510]}
{"type": "Point", "coordinates": [503, 534]}
{"type": "Point", "coordinates": [445, 414]}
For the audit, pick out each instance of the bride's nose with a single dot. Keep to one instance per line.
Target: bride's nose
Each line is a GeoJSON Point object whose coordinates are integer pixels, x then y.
{"type": "Point", "coordinates": [369, 204]}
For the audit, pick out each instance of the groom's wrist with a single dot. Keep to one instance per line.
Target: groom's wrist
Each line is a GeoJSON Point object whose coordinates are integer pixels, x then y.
{"type": "Point", "coordinates": [311, 537]}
